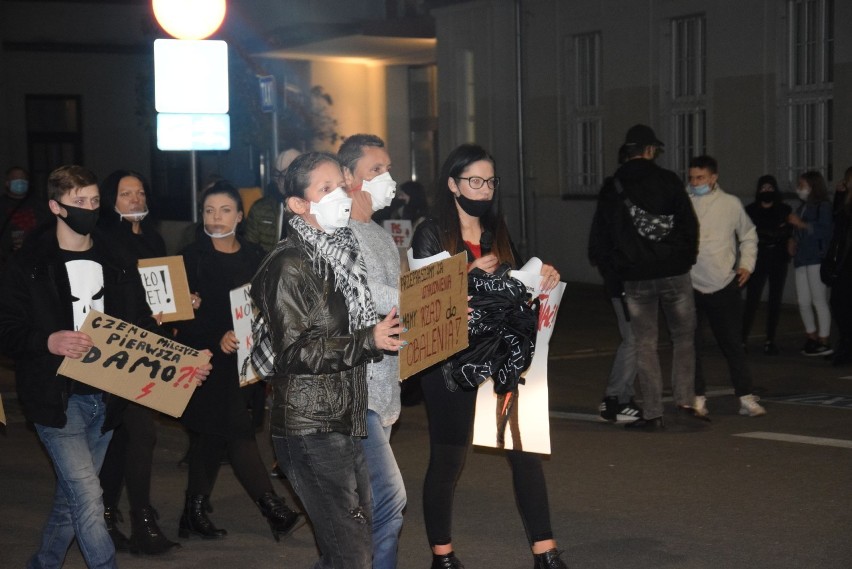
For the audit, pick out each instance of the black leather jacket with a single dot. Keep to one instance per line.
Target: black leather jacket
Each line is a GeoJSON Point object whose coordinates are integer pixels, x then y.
{"type": "Point", "coordinates": [35, 301]}
{"type": "Point", "coordinates": [320, 382]}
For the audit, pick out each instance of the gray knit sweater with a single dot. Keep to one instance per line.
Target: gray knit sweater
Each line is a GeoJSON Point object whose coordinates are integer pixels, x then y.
{"type": "Point", "coordinates": [382, 259]}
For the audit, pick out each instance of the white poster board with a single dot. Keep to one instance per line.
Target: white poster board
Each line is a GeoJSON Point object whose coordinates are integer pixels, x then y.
{"type": "Point", "coordinates": [401, 230]}
{"type": "Point", "coordinates": [530, 421]}
{"type": "Point", "coordinates": [242, 315]}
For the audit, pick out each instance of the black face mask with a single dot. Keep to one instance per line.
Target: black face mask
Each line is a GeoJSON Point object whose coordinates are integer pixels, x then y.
{"type": "Point", "coordinates": [80, 220]}
{"type": "Point", "coordinates": [766, 197]}
{"type": "Point", "coordinates": [474, 208]}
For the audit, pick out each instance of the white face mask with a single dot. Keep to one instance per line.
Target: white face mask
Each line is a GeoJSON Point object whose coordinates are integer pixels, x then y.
{"type": "Point", "coordinates": [803, 193]}
{"type": "Point", "coordinates": [134, 216]}
{"type": "Point", "coordinates": [221, 235]}
{"type": "Point", "coordinates": [382, 189]}
{"type": "Point", "coordinates": [332, 211]}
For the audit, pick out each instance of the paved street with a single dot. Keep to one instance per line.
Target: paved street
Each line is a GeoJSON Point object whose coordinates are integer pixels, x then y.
{"type": "Point", "coordinates": [743, 493]}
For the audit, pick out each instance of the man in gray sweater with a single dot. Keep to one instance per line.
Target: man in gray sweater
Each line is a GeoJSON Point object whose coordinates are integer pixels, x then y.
{"type": "Point", "coordinates": [366, 166]}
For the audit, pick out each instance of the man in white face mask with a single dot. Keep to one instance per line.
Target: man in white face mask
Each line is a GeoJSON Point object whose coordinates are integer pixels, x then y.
{"type": "Point", "coordinates": [366, 169]}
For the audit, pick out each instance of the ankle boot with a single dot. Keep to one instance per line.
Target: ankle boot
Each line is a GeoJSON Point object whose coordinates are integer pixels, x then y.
{"type": "Point", "coordinates": [282, 520]}
{"type": "Point", "coordinates": [195, 520]}
{"type": "Point", "coordinates": [448, 561]}
{"type": "Point", "coordinates": [146, 537]}
{"type": "Point", "coordinates": [113, 516]}
{"type": "Point", "coordinates": [549, 560]}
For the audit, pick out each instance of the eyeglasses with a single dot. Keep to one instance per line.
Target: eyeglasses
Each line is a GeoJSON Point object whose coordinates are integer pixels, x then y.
{"type": "Point", "coordinates": [476, 182]}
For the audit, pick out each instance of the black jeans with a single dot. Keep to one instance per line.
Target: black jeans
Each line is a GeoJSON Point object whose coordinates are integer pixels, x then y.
{"type": "Point", "coordinates": [722, 310]}
{"type": "Point", "coordinates": [450, 426]}
{"type": "Point", "coordinates": [771, 266]}
{"type": "Point", "coordinates": [129, 458]}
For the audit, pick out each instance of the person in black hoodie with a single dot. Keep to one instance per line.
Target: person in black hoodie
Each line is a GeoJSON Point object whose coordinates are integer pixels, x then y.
{"type": "Point", "coordinates": [62, 272]}
{"type": "Point", "coordinates": [646, 225]}
{"type": "Point", "coordinates": [771, 217]}
{"type": "Point", "coordinates": [837, 270]}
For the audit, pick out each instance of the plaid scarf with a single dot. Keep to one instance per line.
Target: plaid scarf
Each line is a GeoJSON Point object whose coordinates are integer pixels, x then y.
{"type": "Point", "coordinates": [340, 254]}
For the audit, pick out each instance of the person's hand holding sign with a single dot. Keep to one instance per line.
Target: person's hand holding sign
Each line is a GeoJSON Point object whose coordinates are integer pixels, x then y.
{"type": "Point", "coordinates": [386, 332]}
{"type": "Point", "coordinates": [202, 371]}
{"type": "Point", "coordinates": [229, 342]}
{"type": "Point", "coordinates": [69, 344]}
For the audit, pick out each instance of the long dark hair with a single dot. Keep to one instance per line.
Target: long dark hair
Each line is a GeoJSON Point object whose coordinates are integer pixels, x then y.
{"type": "Point", "coordinates": [819, 189]}
{"type": "Point", "coordinates": [109, 218]}
{"type": "Point", "coordinates": [447, 215]}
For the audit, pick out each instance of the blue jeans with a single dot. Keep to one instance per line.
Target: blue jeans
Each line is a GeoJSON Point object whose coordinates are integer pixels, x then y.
{"type": "Point", "coordinates": [77, 451]}
{"type": "Point", "coordinates": [329, 474]}
{"type": "Point", "coordinates": [644, 299]}
{"type": "Point", "coordinates": [623, 372]}
{"type": "Point", "coordinates": [388, 492]}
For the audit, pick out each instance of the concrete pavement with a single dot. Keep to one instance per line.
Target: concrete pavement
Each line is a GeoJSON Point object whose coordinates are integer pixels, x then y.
{"type": "Point", "coordinates": [770, 492]}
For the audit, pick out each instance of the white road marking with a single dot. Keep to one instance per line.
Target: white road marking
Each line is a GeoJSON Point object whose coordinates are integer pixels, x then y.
{"type": "Point", "coordinates": [787, 438]}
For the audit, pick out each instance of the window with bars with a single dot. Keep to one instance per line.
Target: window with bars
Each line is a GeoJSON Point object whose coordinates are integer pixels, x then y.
{"type": "Point", "coordinates": [688, 91]}
{"type": "Point", "coordinates": [810, 81]}
{"type": "Point", "coordinates": [584, 172]}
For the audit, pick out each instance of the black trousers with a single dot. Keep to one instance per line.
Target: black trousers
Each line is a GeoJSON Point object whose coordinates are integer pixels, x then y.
{"type": "Point", "coordinates": [205, 458]}
{"type": "Point", "coordinates": [129, 458]}
{"type": "Point", "coordinates": [722, 310]}
{"type": "Point", "coordinates": [771, 266]}
{"type": "Point", "coordinates": [450, 429]}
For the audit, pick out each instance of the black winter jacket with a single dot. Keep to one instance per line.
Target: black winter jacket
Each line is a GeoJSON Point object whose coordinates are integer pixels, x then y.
{"type": "Point", "coordinates": [35, 301]}
{"type": "Point", "coordinates": [320, 382]}
{"type": "Point", "coordinates": [614, 244]}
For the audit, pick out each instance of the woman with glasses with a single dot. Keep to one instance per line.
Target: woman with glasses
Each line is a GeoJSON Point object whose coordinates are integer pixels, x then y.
{"type": "Point", "coordinates": [465, 208]}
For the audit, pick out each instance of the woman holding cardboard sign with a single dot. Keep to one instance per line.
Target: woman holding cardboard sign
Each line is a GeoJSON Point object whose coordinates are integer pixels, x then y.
{"type": "Point", "coordinates": [468, 218]}
{"type": "Point", "coordinates": [216, 416]}
{"type": "Point", "coordinates": [312, 292]}
{"type": "Point", "coordinates": [124, 203]}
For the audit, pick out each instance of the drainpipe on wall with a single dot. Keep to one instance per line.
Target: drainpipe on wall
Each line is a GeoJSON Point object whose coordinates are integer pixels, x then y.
{"type": "Point", "coordinates": [522, 191]}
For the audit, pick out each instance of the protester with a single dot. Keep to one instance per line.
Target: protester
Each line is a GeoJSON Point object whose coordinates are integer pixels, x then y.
{"type": "Point", "coordinates": [65, 270]}
{"type": "Point", "coordinates": [366, 171]}
{"type": "Point", "coordinates": [125, 199]}
{"type": "Point", "coordinates": [770, 216]}
{"type": "Point", "coordinates": [837, 271]}
{"type": "Point", "coordinates": [465, 207]}
{"type": "Point", "coordinates": [216, 416]}
{"type": "Point", "coordinates": [727, 252]}
{"type": "Point", "coordinates": [266, 223]}
{"type": "Point", "coordinates": [645, 227]}
{"type": "Point", "coordinates": [409, 203]}
{"type": "Point", "coordinates": [313, 294]}
{"type": "Point", "coordinates": [20, 212]}
{"type": "Point", "coordinates": [812, 233]}
{"type": "Point", "coordinates": [617, 404]}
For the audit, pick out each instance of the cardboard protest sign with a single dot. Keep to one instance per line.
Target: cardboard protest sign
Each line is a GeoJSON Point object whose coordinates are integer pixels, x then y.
{"type": "Point", "coordinates": [525, 420]}
{"type": "Point", "coordinates": [136, 364]}
{"type": "Point", "coordinates": [433, 307]}
{"type": "Point", "coordinates": [242, 314]}
{"type": "Point", "coordinates": [401, 231]}
{"type": "Point", "coordinates": [166, 287]}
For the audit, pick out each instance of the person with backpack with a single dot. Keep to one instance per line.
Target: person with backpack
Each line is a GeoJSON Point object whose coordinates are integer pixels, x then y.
{"type": "Point", "coordinates": [646, 225]}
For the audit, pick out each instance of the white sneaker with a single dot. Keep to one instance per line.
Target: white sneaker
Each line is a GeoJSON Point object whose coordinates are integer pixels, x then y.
{"type": "Point", "coordinates": [699, 407]}
{"type": "Point", "coordinates": [749, 406]}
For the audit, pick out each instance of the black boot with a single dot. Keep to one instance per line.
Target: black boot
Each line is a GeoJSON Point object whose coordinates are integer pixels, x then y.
{"type": "Point", "coordinates": [112, 517]}
{"type": "Point", "coordinates": [145, 536]}
{"type": "Point", "coordinates": [549, 560]}
{"type": "Point", "coordinates": [448, 561]}
{"type": "Point", "coordinates": [195, 520]}
{"type": "Point", "coordinates": [282, 520]}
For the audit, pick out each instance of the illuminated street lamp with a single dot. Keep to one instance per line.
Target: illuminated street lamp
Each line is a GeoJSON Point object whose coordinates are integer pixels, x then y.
{"type": "Point", "coordinates": [190, 19]}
